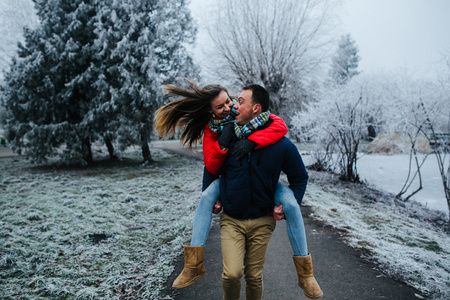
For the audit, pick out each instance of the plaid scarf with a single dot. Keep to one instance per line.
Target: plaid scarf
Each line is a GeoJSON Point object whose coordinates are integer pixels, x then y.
{"type": "Point", "coordinates": [216, 125]}
{"type": "Point", "coordinates": [242, 132]}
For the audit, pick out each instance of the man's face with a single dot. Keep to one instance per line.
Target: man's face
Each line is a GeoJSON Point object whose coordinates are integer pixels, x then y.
{"type": "Point", "coordinates": [245, 108]}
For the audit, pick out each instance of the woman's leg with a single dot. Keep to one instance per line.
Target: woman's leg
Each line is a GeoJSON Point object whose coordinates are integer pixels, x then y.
{"type": "Point", "coordinates": [294, 219]}
{"type": "Point", "coordinates": [203, 215]}
{"type": "Point", "coordinates": [297, 238]}
{"type": "Point", "coordinates": [194, 254]}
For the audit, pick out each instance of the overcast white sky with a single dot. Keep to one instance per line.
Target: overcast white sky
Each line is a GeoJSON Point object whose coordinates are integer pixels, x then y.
{"type": "Point", "coordinates": [393, 34]}
{"type": "Point", "coordinates": [399, 33]}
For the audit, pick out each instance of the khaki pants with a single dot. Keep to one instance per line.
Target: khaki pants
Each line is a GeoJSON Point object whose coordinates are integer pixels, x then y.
{"type": "Point", "coordinates": [244, 248]}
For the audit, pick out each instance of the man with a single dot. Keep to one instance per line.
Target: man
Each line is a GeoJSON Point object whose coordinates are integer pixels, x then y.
{"type": "Point", "coordinates": [247, 187]}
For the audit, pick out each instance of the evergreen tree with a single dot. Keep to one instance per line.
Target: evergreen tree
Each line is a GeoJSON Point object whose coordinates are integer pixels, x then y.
{"type": "Point", "coordinates": [46, 92]}
{"type": "Point", "coordinates": [143, 47]}
{"type": "Point", "coordinates": [111, 27]}
{"type": "Point", "coordinates": [345, 62]}
{"type": "Point", "coordinates": [93, 71]}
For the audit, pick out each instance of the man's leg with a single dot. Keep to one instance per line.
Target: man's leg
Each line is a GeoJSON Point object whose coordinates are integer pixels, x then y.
{"type": "Point", "coordinates": [258, 235]}
{"type": "Point", "coordinates": [233, 251]}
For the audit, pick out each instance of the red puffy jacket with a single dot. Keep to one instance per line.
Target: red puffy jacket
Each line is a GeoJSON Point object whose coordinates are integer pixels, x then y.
{"type": "Point", "coordinates": [214, 157]}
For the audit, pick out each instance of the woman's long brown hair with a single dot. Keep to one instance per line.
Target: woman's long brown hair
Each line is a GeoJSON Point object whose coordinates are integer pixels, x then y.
{"type": "Point", "coordinates": [190, 112]}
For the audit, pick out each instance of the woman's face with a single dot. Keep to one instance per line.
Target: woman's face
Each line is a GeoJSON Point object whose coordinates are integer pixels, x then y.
{"type": "Point", "coordinates": [221, 105]}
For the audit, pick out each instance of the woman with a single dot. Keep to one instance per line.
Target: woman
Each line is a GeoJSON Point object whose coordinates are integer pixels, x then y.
{"type": "Point", "coordinates": [208, 112]}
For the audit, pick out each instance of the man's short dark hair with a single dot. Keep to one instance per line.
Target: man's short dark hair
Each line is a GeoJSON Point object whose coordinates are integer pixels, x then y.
{"type": "Point", "coordinates": [260, 96]}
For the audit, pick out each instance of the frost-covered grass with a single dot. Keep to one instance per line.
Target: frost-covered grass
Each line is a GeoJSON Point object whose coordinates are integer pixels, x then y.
{"type": "Point", "coordinates": [113, 231]}
{"type": "Point", "coordinates": [107, 232]}
{"type": "Point", "coordinates": [407, 242]}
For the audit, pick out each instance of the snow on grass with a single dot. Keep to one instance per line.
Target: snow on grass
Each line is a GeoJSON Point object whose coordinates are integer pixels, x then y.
{"type": "Point", "coordinates": [105, 232]}
{"type": "Point", "coordinates": [406, 241]}
{"type": "Point", "coordinates": [113, 231]}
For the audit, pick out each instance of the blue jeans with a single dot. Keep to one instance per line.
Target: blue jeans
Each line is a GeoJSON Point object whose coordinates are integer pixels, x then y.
{"type": "Point", "coordinates": [283, 195]}
{"type": "Point", "coordinates": [294, 220]}
{"type": "Point", "coordinates": [203, 215]}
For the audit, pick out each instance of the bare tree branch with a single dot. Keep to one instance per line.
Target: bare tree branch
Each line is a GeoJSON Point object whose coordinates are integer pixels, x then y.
{"type": "Point", "coordinates": [279, 44]}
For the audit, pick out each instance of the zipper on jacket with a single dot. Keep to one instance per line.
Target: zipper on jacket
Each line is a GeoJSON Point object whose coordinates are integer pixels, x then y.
{"type": "Point", "coordinates": [258, 161]}
{"type": "Point", "coordinates": [250, 183]}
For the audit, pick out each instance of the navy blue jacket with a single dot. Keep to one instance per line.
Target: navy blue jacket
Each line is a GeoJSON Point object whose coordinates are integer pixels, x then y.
{"type": "Point", "coordinates": [247, 187]}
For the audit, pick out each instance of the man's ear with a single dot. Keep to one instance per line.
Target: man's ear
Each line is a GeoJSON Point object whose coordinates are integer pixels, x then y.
{"type": "Point", "coordinates": [257, 108]}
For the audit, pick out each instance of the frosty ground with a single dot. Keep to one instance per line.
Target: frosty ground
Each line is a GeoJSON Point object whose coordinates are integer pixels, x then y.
{"type": "Point", "coordinates": [113, 231]}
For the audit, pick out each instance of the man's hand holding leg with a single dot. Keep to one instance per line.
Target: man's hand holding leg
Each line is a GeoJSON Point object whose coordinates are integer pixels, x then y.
{"type": "Point", "coordinates": [278, 213]}
{"type": "Point", "coordinates": [217, 208]}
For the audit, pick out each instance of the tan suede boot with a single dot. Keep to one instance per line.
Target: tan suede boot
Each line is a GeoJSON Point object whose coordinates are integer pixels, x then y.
{"type": "Point", "coordinates": [193, 267]}
{"type": "Point", "coordinates": [306, 279]}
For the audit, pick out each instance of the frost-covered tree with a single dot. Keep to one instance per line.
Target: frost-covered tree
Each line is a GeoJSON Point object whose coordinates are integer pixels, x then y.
{"type": "Point", "coordinates": [336, 122]}
{"type": "Point", "coordinates": [110, 28]}
{"type": "Point", "coordinates": [278, 44]}
{"type": "Point", "coordinates": [345, 62]}
{"type": "Point", "coordinates": [141, 47]}
{"type": "Point", "coordinates": [92, 71]}
{"type": "Point", "coordinates": [46, 92]}
{"type": "Point", "coordinates": [14, 16]}
{"type": "Point", "coordinates": [420, 110]}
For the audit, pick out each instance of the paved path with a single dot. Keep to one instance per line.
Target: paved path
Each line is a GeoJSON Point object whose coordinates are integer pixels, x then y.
{"type": "Point", "coordinates": [338, 268]}
{"type": "Point", "coordinates": [6, 152]}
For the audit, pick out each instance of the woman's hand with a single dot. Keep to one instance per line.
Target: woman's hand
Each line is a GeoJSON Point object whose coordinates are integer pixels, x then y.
{"type": "Point", "coordinates": [227, 135]}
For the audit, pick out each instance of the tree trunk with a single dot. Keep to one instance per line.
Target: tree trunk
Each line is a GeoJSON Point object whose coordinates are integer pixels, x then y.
{"type": "Point", "coordinates": [445, 182]}
{"type": "Point", "coordinates": [350, 172]}
{"type": "Point", "coordinates": [447, 196]}
{"type": "Point", "coordinates": [144, 145]}
{"type": "Point", "coordinates": [110, 147]}
{"type": "Point", "coordinates": [87, 151]}
{"type": "Point", "coordinates": [371, 132]}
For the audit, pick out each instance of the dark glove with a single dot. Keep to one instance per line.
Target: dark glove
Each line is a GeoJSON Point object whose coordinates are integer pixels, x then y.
{"type": "Point", "coordinates": [227, 135]}
{"type": "Point", "coordinates": [243, 147]}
